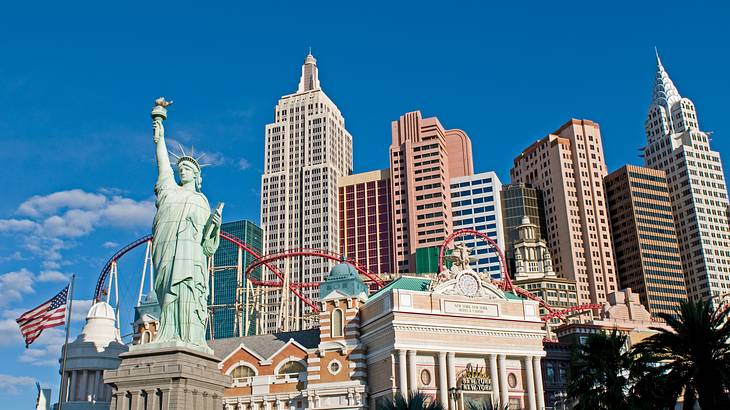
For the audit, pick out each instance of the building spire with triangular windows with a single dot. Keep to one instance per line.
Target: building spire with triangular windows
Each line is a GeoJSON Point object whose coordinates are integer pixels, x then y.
{"type": "Point", "coordinates": [310, 76]}
{"type": "Point", "coordinates": [664, 93]}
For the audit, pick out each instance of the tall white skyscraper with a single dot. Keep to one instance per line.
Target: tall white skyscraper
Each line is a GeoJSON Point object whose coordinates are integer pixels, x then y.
{"type": "Point", "coordinates": [697, 188]}
{"type": "Point", "coordinates": [307, 150]}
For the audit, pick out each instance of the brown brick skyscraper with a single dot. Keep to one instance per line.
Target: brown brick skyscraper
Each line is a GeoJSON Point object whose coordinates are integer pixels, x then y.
{"type": "Point", "coordinates": [644, 237]}
{"type": "Point", "coordinates": [568, 167]}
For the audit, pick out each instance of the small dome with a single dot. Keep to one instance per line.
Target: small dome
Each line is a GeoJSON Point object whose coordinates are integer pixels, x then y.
{"type": "Point", "coordinates": [342, 270]}
{"type": "Point", "coordinates": [101, 310]}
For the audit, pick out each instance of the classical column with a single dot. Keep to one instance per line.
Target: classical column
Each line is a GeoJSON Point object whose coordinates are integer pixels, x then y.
{"type": "Point", "coordinates": [403, 383]}
{"type": "Point", "coordinates": [91, 394]}
{"type": "Point", "coordinates": [443, 383]}
{"type": "Point", "coordinates": [412, 382]}
{"type": "Point", "coordinates": [451, 370]}
{"type": "Point", "coordinates": [81, 386]}
{"type": "Point", "coordinates": [539, 391]}
{"type": "Point", "coordinates": [503, 396]}
{"type": "Point", "coordinates": [530, 382]}
{"type": "Point", "coordinates": [493, 374]}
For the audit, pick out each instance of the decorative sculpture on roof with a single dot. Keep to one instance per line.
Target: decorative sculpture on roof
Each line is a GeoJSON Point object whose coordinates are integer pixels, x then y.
{"type": "Point", "coordinates": [461, 280]}
{"type": "Point", "coordinates": [185, 234]}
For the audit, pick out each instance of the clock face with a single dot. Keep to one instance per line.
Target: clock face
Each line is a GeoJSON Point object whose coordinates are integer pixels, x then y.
{"type": "Point", "coordinates": [468, 284]}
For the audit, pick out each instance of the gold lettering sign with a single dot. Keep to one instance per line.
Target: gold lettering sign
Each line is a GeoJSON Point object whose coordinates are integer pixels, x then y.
{"type": "Point", "coordinates": [474, 378]}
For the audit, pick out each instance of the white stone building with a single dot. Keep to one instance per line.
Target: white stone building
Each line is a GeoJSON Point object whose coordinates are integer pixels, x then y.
{"type": "Point", "coordinates": [475, 204]}
{"type": "Point", "coordinates": [307, 150]}
{"type": "Point", "coordinates": [96, 349]}
{"type": "Point", "coordinates": [697, 189]}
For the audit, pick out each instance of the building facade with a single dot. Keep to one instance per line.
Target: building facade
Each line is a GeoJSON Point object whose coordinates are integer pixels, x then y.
{"type": "Point", "coordinates": [644, 237]}
{"type": "Point", "coordinates": [518, 201]}
{"type": "Point", "coordinates": [369, 348]}
{"type": "Point", "coordinates": [676, 145]}
{"type": "Point", "coordinates": [475, 204]}
{"type": "Point", "coordinates": [224, 320]}
{"type": "Point", "coordinates": [420, 171]}
{"type": "Point", "coordinates": [307, 150]}
{"type": "Point", "coordinates": [365, 203]}
{"type": "Point", "coordinates": [568, 167]}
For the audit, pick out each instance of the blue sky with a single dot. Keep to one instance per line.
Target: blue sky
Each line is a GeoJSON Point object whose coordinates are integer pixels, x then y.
{"type": "Point", "coordinates": [77, 83]}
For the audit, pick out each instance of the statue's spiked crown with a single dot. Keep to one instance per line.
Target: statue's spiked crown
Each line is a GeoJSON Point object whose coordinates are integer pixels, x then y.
{"type": "Point", "coordinates": [189, 159]}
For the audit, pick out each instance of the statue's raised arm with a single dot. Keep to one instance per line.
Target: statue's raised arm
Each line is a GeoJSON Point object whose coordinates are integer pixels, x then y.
{"type": "Point", "coordinates": [159, 114]}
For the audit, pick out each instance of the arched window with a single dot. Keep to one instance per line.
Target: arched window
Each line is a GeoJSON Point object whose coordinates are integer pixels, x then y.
{"type": "Point", "coordinates": [336, 323]}
{"type": "Point", "coordinates": [146, 337]}
{"type": "Point", "coordinates": [242, 374]}
{"type": "Point", "coordinates": [292, 369]}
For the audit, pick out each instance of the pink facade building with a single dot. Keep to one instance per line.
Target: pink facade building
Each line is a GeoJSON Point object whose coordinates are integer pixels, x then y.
{"type": "Point", "coordinates": [365, 219]}
{"type": "Point", "coordinates": [421, 166]}
{"type": "Point", "coordinates": [568, 166]}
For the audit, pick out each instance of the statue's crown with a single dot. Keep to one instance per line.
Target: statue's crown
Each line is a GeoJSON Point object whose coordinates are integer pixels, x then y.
{"type": "Point", "coordinates": [189, 158]}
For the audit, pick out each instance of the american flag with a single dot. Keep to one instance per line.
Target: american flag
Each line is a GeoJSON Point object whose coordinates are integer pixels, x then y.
{"type": "Point", "coordinates": [52, 313]}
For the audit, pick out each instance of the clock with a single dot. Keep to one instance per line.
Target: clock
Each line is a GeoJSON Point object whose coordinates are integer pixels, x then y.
{"type": "Point", "coordinates": [468, 284]}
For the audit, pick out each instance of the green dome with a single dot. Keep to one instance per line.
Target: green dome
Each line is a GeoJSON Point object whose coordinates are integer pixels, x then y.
{"type": "Point", "coordinates": [344, 278]}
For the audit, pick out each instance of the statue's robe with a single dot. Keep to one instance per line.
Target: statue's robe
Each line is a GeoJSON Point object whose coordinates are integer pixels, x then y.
{"type": "Point", "coordinates": [179, 254]}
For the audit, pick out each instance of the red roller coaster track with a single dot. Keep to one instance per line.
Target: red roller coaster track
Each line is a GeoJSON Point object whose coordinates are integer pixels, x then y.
{"type": "Point", "coordinates": [265, 260]}
{"type": "Point", "coordinates": [492, 244]}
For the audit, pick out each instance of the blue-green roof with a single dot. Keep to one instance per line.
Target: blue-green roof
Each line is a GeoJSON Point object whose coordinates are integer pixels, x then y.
{"type": "Point", "coordinates": [405, 283]}
{"type": "Point", "coordinates": [345, 279]}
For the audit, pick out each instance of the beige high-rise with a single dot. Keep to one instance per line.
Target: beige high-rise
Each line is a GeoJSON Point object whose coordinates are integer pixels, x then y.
{"type": "Point", "coordinates": [568, 166]}
{"type": "Point", "coordinates": [676, 145]}
{"type": "Point", "coordinates": [307, 150]}
{"type": "Point", "coordinates": [421, 166]}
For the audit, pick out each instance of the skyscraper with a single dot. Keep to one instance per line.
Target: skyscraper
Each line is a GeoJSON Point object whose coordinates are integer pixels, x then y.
{"type": "Point", "coordinates": [475, 204]}
{"type": "Point", "coordinates": [420, 170]}
{"type": "Point", "coordinates": [223, 321]}
{"type": "Point", "coordinates": [365, 220]}
{"type": "Point", "coordinates": [307, 150]}
{"type": "Point", "coordinates": [644, 238]}
{"type": "Point", "coordinates": [676, 145]}
{"type": "Point", "coordinates": [568, 167]}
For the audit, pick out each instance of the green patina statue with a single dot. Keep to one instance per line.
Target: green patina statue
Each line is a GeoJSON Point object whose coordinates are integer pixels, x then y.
{"type": "Point", "coordinates": [185, 234]}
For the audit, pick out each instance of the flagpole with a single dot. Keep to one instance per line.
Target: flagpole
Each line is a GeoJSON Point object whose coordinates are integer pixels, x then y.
{"type": "Point", "coordinates": [65, 346]}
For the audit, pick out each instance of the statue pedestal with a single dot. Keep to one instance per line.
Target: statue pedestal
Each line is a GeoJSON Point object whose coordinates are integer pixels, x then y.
{"type": "Point", "coordinates": [167, 378]}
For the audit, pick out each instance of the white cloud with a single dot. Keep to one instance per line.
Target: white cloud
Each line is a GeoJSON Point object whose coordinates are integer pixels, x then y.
{"type": "Point", "coordinates": [11, 384]}
{"type": "Point", "coordinates": [110, 245]}
{"type": "Point", "coordinates": [80, 309]}
{"type": "Point", "coordinates": [52, 276]}
{"type": "Point", "coordinates": [55, 220]}
{"type": "Point", "coordinates": [13, 285]}
{"type": "Point", "coordinates": [17, 225]}
{"type": "Point", "coordinates": [46, 204]}
{"type": "Point", "coordinates": [243, 164]}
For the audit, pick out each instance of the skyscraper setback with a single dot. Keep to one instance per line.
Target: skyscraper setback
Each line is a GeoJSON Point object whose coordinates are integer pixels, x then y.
{"type": "Point", "coordinates": [307, 150]}
{"type": "Point", "coordinates": [420, 170]}
{"type": "Point", "coordinates": [697, 188]}
{"type": "Point", "coordinates": [568, 167]}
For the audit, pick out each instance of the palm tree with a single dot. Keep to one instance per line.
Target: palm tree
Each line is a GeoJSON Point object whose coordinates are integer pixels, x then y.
{"type": "Point", "coordinates": [485, 405]}
{"type": "Point", "coordinates": [600, 372]}
{"type": "Point", "coordinates": [415, 401]}
{"type": "Point", "coordinates": [694, 355]}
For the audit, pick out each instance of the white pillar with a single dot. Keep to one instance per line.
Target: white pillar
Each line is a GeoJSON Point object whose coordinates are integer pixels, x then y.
{"type": "Point", "coordinates": [530, 382]}
{"type": "Point", "coordinates": [412, 381]}
{"type": "Point", "coordinates": [402, 379]}
{"type": "Point", "coordinates": [451, 370]}
{"type": "Point", "coordinates": [539, 391]}
{"type": "Point", "coordinates": [443, 383]}
{"type": "Point", "coordinates": [493, 374]}
{"type": "Point", "coordinates": [503, 396]}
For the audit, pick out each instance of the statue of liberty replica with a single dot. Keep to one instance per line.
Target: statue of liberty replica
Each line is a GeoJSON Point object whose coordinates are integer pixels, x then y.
{"type": "Point", "coordinates": [185, 234]}
{"type": "Point", "coordinates": [177, 370]}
